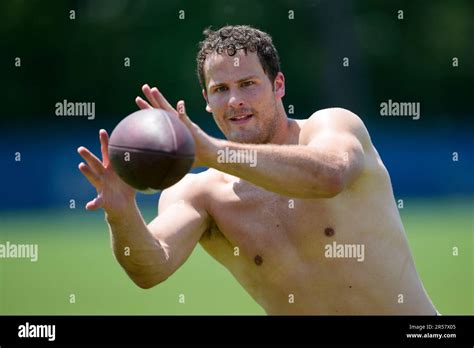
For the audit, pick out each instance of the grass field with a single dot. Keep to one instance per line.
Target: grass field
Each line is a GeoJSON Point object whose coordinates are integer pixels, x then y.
{"type": "Point", "coordinates": [75, 258]}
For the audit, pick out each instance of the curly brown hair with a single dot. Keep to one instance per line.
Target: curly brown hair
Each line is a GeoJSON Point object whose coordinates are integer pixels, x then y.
{"type": "Point", "coordinates": [235, 37]}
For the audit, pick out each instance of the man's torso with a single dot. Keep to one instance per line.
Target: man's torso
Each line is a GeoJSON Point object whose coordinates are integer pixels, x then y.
{"type": "Point", "coordinates": [343, 255]}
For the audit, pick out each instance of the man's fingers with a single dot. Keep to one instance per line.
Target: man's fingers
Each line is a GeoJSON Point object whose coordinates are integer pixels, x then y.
{"type": "Point", "coordinates": [147, 91]}
{"type": "Point", "coordinates": [182, 114]}
{"type": "Point", "coordinates": [104, 147]}
{"type": "Point", "coordinates": [142, 104]}
{"type": "Point", "coordinates": [156, 99]}
{"type": "Point", "coordinates": [161, 99]}
{"type": "Point", "coordinates": [89, 174]}
{"type": "Point", "coordinates": [96, 203]}
{"type": "Point", "coordinates": [94, 163]}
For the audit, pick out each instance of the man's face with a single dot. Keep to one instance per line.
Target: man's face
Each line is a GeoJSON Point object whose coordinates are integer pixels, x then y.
{"type": "Point", "coordinates": [241, 97]}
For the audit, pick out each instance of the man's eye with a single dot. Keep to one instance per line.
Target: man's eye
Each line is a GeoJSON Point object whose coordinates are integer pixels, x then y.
{"type": "Point", "coordinates": [220, 89]}
{"type": "Point", "coordinates": [248, 83]}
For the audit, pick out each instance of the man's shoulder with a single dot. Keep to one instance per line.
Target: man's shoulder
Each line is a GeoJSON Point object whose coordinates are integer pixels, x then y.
{"type": "Point", "coordinates": [336, 116]}
{"type": "Point", "coordinates": [338, 120]}
{"type": "Point", "coordinates": [202, 181]}
{"type": "Point", "coordinates": [193, 187]}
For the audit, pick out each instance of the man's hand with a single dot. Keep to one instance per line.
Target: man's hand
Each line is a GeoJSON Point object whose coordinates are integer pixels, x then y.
{"type": "Point", "coordinates": [204, 144]}
{"type": "Point", "coordinates": [114, 195]}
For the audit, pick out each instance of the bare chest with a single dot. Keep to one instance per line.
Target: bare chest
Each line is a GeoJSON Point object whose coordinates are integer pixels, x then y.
{"type": "Point", "coordinates": [266, 231]}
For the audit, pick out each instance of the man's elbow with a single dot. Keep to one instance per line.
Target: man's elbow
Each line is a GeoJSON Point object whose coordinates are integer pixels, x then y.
{"type": "Point", "coordinates": [327, 187]}
{"type": "Point", "coordinates": [334, 186]}
{"type": "Point", "coordinates": [325, 180]}
{"type": "Point", "coordinates": [340, 178]}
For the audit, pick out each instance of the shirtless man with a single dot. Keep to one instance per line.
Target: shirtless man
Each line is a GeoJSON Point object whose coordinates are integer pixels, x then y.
{"type": "Point", "coordinates": [318, 192]}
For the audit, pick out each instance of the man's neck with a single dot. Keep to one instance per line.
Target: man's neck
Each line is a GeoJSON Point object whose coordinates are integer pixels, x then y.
{"type": "Point", "coordinates": [284, 134]}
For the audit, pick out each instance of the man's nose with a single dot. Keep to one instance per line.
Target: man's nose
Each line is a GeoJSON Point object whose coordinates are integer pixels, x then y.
{"type": "Point", "coordinates": [235, 100]}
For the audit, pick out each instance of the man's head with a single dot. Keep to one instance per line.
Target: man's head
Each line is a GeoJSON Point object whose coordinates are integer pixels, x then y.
{"type": "Point", "coordinates": [239, 71]}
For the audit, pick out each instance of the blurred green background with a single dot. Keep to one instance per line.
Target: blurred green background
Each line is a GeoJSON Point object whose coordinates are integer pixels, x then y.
{"type": "Point", "coordinates": [408, 60]}
{"type": "Point", "coordinates": [75, 258]}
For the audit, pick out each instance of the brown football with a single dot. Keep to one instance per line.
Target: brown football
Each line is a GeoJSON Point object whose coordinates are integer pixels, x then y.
{"type": "Point", "coordinates": [151, 150]}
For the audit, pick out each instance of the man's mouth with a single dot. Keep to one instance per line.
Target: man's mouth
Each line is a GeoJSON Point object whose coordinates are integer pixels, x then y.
{"type": "Point", "coordinates": [241, 119]}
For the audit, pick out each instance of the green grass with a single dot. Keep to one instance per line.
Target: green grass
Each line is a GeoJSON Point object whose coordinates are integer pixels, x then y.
{"type": "Point", "coordinates": [434, 228]}
{"type": "Point", "coordinates": [75, 258]}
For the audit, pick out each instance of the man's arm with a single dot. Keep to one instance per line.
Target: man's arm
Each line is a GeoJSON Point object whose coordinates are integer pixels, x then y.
{"type": "Point", "coordinates": [328, 158]}
{"type": "Point", "coordinates": [150, 254]}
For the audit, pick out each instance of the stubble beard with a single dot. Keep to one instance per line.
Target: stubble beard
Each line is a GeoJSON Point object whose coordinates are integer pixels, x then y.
{"type": "Point", "coordinates": [263, 133]}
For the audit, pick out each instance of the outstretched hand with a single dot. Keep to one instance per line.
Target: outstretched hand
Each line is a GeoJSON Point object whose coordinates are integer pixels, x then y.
{"type": "Point", "coordinates": [204, 144]}
{"type": "Point", "coordinates": [113, 195]}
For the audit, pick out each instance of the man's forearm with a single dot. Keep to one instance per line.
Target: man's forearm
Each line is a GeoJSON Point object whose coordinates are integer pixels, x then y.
{"type": "Point", "coordinates": [291, 170]}
{"type": "Point", "coordinates": [136, 249]}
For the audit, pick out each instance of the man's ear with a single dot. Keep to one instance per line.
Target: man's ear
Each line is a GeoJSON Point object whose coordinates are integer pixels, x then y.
{"type": "Point", "coordinates": [279, 85]}
{"type": "Point", "coordinates": [204, 94]}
